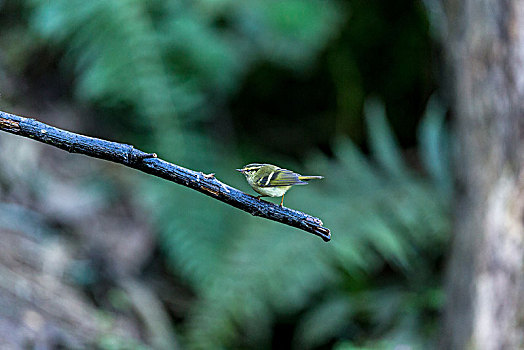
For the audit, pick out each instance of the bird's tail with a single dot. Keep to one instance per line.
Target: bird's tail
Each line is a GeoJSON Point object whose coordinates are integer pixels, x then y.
{"type": "Point", "coordinates": [307, 178]}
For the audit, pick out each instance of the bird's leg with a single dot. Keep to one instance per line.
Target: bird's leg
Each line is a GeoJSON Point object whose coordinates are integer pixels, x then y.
{"type": "Point", "coordinates": [282, 201]}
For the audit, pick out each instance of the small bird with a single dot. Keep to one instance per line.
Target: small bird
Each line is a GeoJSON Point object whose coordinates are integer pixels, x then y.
{"type": "Point", "coordinates": [272, 181]}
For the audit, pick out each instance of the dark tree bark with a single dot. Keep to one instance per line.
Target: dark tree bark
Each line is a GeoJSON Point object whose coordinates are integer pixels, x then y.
{"type": "Point", "coordinates": [485, 284]}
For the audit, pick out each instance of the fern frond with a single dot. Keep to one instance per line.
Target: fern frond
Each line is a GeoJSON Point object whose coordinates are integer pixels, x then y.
{"type": "Point", "coordinates": [382, 142]}
{"type": "Point", "coordinates": [380, 219]}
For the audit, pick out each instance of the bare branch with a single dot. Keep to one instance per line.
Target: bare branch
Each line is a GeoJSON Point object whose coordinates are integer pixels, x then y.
{"type": "Point", "coordinates": [149, 163]}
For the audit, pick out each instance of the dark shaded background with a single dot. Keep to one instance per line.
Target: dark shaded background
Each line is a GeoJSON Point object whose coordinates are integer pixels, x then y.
{"type": "Point", "coordinates": [213, 85]}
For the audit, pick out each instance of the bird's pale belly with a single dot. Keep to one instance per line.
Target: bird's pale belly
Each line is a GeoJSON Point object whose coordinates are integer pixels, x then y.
{"type": "Point", "coordinates": [277, 191]}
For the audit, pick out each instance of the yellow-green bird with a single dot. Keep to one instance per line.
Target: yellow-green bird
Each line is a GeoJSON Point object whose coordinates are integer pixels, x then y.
{"type": "Point", "coordinates": [272, 181]}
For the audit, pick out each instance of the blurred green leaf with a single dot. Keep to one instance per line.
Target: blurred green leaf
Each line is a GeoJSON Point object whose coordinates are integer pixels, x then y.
{"type": "Point", "coordinates": [382, 141]}
{"type": "Point", "coordinates": [434, 144]}
{"type": "Point", "coordinates": [324, 321]}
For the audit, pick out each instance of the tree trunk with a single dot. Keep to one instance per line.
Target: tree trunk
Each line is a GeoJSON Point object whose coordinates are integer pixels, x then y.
{"type": "Point", "coordinates": [485, 284]}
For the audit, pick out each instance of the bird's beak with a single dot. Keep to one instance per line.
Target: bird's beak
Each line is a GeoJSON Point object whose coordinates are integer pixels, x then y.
{"type": "Point", "coordinates": [240, 170]}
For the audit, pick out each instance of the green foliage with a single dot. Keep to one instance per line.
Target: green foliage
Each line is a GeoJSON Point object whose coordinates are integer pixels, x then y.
{"type": "Point", "coordinates": [113, 342]}
{"type": "Point", "coordinates": [162, 57]}
{"type": "Point", "coordinates": [114, 52]}
{"type": "Point", "coordinates": [172, 60]}
{"type": "Point", "coordinates": [169, 65]}
{"type": "Point", "coordinates": [380, 218]}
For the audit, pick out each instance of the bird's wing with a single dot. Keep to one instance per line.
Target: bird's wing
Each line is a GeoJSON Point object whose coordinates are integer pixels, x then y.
{"type": "Point", "coordinates": [280, 177]}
